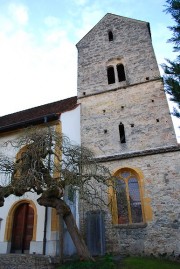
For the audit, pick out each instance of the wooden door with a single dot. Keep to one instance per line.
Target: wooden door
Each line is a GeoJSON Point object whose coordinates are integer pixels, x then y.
{"type": "Point", "coordinates": [22, 231]}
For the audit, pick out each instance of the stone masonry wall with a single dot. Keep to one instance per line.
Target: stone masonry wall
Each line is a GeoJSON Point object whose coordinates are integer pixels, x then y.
{"type": "Point", "coordinates": [142, 109]}
{"type": "Point", "coordinates": [22, 261]}
{"type": "Point", "coordinates": [160, 234]}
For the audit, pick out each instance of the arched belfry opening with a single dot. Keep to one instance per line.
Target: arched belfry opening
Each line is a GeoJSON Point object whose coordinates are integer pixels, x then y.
{"type": "Point", "coordinates": [110, 75]}
{"type": "Point", "coordinates": [115, 71]}
{"type": "Point", "coordinates": [121, 73]}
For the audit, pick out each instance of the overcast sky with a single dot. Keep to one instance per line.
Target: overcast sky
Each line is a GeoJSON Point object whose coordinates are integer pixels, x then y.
{"type": "Point", "coordinates": [38, 56]}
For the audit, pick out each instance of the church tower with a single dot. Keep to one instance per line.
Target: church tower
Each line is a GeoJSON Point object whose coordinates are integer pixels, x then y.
{"type": "Point", "coordinates": [125, 121]}
{"type": "Point", "coordinates": [124, 108]}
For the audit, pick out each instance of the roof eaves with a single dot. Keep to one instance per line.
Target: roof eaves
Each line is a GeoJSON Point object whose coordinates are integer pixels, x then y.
{"type": "Point", "coordinates": [29, 122]}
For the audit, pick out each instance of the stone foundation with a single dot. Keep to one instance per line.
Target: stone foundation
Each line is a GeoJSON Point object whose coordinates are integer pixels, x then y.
{"type": "Point", "coordinates": [22, 261]}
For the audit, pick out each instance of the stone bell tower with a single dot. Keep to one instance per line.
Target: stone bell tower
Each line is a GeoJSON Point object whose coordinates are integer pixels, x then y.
{"type": "Point", "coordinates": [125, 121]}
{"type": "Point", "coordinates": [124, 108]}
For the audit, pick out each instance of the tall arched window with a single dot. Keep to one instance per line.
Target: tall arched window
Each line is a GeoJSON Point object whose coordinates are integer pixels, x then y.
{"type": "Point", "coordinates": [110, 75]}
{"type": "Point", "coordinates": [126, 198]}
{"type": "Point", "coordinates": [121, 73]}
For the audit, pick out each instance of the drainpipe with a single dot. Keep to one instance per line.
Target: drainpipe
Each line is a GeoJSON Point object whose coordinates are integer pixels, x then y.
{"type": "Point", "coordinates": [45, 219]}
{"type": "Point", "coordinates": [45, 231]}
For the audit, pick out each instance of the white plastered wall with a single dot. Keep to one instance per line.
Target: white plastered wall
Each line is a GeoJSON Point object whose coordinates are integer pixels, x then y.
{"type": "Point", "coordinates": [71, 128]}
{"type": "Point", "coordinates": [71, 124]}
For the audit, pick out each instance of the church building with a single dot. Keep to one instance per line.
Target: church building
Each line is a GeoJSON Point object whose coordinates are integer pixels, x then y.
{"type": "Point", "coordinates": [121, 114]}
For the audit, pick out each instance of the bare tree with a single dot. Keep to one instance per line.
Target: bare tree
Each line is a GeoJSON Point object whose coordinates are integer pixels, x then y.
{"type": "Point", "coordinates": [47, 162]}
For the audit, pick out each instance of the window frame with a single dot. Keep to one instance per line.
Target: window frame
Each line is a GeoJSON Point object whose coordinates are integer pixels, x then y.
{"type": "Point", "coordinates": [113, 198]}
{"type": "Point", "coordinates": [119, 75]}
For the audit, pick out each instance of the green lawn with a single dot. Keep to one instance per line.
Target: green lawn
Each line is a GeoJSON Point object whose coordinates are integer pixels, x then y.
{"type": "Point", "coordinates": [127, 263]}
{"type": "Point", "coordinates": [148, 263]}
{"type": "Point", "coordinates": [100, 263]}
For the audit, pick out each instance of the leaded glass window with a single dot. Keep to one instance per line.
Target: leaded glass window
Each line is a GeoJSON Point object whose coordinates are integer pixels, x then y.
{"type": "Point", "coordinates": [128, 199]}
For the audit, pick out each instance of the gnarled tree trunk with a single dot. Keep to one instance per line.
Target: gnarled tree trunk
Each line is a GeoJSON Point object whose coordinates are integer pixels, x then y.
{"type": "Point", "coordinates": [64, 210]}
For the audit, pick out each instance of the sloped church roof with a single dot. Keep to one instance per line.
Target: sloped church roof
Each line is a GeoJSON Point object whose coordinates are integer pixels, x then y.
{"type": "Point", "coordinates": [37, 115]}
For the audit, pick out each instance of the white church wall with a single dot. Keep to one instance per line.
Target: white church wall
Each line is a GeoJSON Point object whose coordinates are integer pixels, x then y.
{"type": "Point", "coordinates": [71, 128]}
{"type": "Point", "coordinates": [71, 124]}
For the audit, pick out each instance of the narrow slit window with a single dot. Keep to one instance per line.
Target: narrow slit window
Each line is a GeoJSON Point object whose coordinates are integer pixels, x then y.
{"type": "Point", "coordinates": [110, 35]}
{"type": "Point", "coordinates": [121, 73]}
{"type": "Point", "coordinates": [111, 75]}
{"type": "Point", "coordinates": [122, 133]}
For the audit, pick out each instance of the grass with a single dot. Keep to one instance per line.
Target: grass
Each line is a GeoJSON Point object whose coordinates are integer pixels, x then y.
{"type": "Point", "coordinates": [148, 263]}
{"type": "Point", "coordinates": [102, 263]}
{"type": "Point", "coordinates": [107, 262]}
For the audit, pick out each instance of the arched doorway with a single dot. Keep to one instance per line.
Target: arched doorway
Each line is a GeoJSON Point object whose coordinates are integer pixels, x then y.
{"type": "Point", "coordinates": [22, 230]}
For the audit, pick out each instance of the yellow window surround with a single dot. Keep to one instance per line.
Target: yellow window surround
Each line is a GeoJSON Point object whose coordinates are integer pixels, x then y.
{"type": "Point", "coordinates": [145, 202]}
